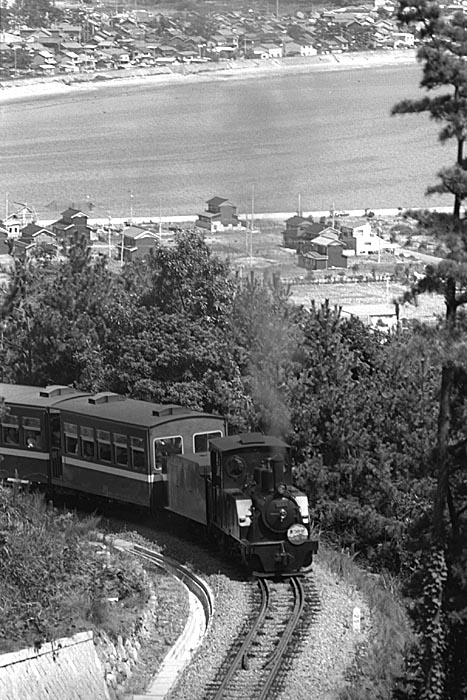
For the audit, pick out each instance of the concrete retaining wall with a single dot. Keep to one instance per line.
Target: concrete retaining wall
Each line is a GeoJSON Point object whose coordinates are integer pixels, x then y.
{"type": "Point", "coordinates": [67, 669]}
{"type": "Point", "coordinates": [82, 667]}
{"type": "Point", "coordinates": [119, 657]}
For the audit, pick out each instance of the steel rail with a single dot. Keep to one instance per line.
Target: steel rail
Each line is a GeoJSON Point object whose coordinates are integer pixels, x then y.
{"type": "Point", "coordinates": [194, 583]}
{"type": "Point", "coordinates": [240, 659]}
{"type": "Point", "coordinates": [274, 663]}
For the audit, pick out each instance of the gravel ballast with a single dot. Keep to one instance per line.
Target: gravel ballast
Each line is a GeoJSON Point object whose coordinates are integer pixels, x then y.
{"type": "Point", "coordinates": [319, 670]}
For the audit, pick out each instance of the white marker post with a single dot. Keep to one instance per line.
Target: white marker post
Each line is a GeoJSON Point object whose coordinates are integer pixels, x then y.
{"type": "Point", "coordinates": [357, 619]}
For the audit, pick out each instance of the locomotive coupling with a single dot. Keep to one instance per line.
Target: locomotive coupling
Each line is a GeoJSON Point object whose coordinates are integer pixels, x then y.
{"type": "Point", "coordinates": [282, 558]}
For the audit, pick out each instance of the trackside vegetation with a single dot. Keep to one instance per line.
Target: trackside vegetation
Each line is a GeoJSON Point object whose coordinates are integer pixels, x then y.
{"type": "Point", "coordinates": [55, 579]}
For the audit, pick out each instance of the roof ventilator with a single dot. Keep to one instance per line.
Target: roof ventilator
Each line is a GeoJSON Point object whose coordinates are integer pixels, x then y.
{"type": "Point", "coordinates": [56, 390]}
{"type": "Point", "coordinates": [169, 410]}
{"type": "Point", "coordinates": [252, 438]}
{"type": "Point", "coordinates": [105, 397]}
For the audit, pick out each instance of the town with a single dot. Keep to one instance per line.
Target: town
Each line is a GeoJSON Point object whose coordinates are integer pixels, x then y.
{"type": "Point", "coordinates": [87, 39]}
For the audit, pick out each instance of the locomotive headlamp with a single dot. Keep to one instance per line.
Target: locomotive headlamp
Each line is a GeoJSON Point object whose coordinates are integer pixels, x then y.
{"type": "Point", "coordinates": [281, 489]}
{"type": "Point", "coordinates": [297, 534]}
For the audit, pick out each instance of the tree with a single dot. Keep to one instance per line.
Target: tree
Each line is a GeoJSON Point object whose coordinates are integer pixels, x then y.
{"type": "Point", "coordinates": [57, 321]}
{"type": "Point", "coordinates": [4, 15]}
{"type": "Point", "coordinates": [170, 338]}
{"type": "Point", "coordinates": [443, 54]}
{"type": "Point", "coordinates": [361, 415]}
{"type": "Point", "coordinates": [439, 583]}
{"type": "Point", "coordinates": [185, 279]}
{"type": "Point", "coordinates": [36, 13]}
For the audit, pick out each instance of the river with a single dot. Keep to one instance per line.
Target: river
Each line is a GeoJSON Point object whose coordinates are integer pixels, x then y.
{"type": "Point", "coordinates": [124, 149]}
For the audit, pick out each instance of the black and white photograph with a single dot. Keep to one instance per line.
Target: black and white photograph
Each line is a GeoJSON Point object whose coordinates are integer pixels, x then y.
{"type": "Point", "coordinates": [233, 370]}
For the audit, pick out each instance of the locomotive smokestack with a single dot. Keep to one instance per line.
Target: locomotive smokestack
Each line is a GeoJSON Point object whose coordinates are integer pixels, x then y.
{"type": "Point", "coordinates": [277, 470]}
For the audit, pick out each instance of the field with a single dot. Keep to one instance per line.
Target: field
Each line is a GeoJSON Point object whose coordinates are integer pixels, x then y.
{"type": "Point", "coordinates": [359, 287]}
{"type": "Point", "coordinates": [369, 297]}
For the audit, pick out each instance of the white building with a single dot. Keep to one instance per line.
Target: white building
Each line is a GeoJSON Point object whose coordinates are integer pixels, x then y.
{"type": "Point", "coordinates": [363, 240]}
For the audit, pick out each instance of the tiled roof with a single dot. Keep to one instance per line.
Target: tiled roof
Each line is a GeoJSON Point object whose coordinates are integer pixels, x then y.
{"type": "Point", "coordinates": [216, 200]}
{"type": "Point", "coordinates": [33, 229]}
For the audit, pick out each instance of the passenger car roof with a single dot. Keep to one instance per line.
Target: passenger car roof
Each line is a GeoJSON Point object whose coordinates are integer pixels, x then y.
{"type": "Point", "coordinates": [115, 407]}
{"type": "Point", "coordinates": [105, 405]}
{"type": "Point", "coordinates": [36, 397]}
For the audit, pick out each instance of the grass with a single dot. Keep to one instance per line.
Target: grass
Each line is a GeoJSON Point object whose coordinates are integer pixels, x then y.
{"type": "Point", "coordinates": [348, 294]}
{"type": "Point", "coordinates": [380, 661]}
{"type": "Point", "coordinates": [57, 578]}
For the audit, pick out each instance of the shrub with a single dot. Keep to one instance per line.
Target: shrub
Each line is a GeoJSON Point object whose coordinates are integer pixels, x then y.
{"type": "Point", "coordinates": [55, 580]}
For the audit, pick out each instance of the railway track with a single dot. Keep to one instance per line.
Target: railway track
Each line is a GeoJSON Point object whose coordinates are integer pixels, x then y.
{"type": "Point", "coordinates": [194, 583]}
{"type": "Point", "coordinates": [259, 661]}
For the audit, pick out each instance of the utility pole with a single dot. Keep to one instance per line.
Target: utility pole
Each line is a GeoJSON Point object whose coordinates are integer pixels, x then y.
{"type": "Point", "coordinates": [110, 242]}
{"type": "Point", "coordinates": [252, 218]}
{"type": "Point", "coordinates": [160, 220]}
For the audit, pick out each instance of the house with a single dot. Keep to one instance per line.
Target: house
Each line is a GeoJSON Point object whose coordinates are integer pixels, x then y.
{"type": "Point", "coordinates": [404, 40]}
{"type": "Point", "coordinates": [362, 240]}
{"type": "Point", "coordinates": [73, 222]}
{"type": "Point", "coordinates": [290, 236]}
{"type": "Point", "coordinates": [298, 48]}
{"type": "Point", "coordinates": [33, 233]}
{"type": "Point", "coordinates": [32, 237]}
{"type": "Point", "coordinates": [6, 243]}
{"type": "Point", "coordinates": [270, 50]}
{"type": "Point", "coordinates": [378, 316]}
{"type": "Point", "coordinates": [137, 242]}
{"type": "Point", "coordinates": [326, 251]}
{"type": "Point", "coordinates": [12, 225]}
{"type": "Point", "coordinates": [299, 231]}
{"type": "Point", "coordinates": [221, 214]}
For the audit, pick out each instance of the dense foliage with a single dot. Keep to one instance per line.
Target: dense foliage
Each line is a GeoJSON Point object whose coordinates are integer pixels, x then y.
{"type": "Point", "coordinates": [54, 581]}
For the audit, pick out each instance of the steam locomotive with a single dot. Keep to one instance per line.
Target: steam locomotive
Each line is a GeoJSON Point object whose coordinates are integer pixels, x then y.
{"type": "Point", "coordinates": [163, 457]}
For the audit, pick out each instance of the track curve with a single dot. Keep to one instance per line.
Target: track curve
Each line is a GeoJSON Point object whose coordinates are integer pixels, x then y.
{"type": "Point", "coordinates": [259, 661]}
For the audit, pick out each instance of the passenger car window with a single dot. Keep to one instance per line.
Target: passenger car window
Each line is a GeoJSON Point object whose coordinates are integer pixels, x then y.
{"type": "Point", "coordinates": [31, 432]}
{"type": "Point", "coordinates": [138, 459]}
{"type": "Point", "coordinates": [165, 447]}
{"type": "Point", "coordinates": [10, 430]}
{"type": "Point", "coordinates": [104, 451]}
{"type": "Point", "coordinates": [71, 438]}
{"type": "Point", "coordinates": [201, 440]}
{"type": "Point", "coordinates": [121, 449]}
{"type": "Point", "coordinates": [88, 445]}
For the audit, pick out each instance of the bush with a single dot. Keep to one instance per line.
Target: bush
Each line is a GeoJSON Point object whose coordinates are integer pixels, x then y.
{"type": "Point", "coordinates": [55, 579]}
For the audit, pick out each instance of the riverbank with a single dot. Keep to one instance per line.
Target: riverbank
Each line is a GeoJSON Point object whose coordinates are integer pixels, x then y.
{"type": "Point", "coordinates": [25, 89]}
